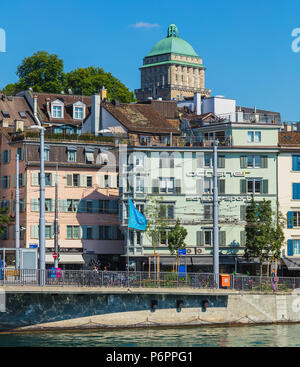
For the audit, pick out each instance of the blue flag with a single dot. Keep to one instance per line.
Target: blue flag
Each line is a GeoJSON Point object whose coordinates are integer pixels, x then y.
{"type": "Point", "coordinates": [136, 218]}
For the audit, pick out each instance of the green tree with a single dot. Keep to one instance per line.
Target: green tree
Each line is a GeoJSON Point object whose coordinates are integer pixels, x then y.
{"type": "Point", "coordinates": [90, 80]}
{"type": "Point", "coordinates": [4, 219]}
{"type": "Point", "coordinates": [43, 72]}
{"type": "Point", "coordinates": [264, 235]}
{"type": "Point", "coordinates": [156, 224]}
{"type": "Point", "coordinates": [176, 238]}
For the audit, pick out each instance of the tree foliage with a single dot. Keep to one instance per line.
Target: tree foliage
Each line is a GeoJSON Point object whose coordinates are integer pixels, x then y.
{"type": "Point", "coordinates": [90, 80]}
{"type": "Point", "coordinates": [176, 238]}
{"type": "Point", "coordinates": [4, 219]}
{"type": "Point", "coordinates": [264, 234]}
{"type": "Point", "coordinates": [44, 72]}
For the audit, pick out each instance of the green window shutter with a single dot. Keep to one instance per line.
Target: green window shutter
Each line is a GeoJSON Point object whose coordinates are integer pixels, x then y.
{"type": "Point", "coordinates": [221, 186]}
{"type": "Point", "coordinates": [222, 238]}
{"type": "Point", "coordinates": [200, 238]}
{"type": "Point", "coordinates": [243, 238]}
{"type": "Point", "coordinates": [243, 212]}
{"type": "Point", "coordinates": [243, 185]}
{"type": "Point", "coordinates": [82, 206]}
{"type": "Point", "coordinates": [244, 162]}
{"type": "Point", "coordinates": [264, 161]}
{"type": "Point", "coordinates": [178, 186]}
{"type": "Point", "coordinates": [69, 180]}
{"type": "Point", "coordinates": [265, 186]}
{"type": "Point", "coordinates": [221, 161]}
{"type": "Point", "coordinates": [69, 232]}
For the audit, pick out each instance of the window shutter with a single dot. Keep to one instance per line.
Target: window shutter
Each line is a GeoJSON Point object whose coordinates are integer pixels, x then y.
{"type": "Point", "coordinates": [69, 180]}
{"type": "Point", "coordinates": [221, 186]}
{"type": "Point", "coordinates": [95, 206]}
{"type": "Point", "coordinates": [163, 211]}
{"type": "Point", "coordinates": [243, 238]}
{"type": "Point", "coordinates": [290, 219]}
{"type": "Point", "coordinates": [221, 161]}
{"type": "Point", "coordinates": [264, 161]}
{"type": "Point", "coordinates": [243, 212]}
{"type": "Point", "coordinates": [101, 181]}
{"type": "Point", "coordinates": [265, 186]}
{"type": "Point", "coordinates": [178, 186]}
{"type": "Point", "coordinates": [222, 238]}
{"type": "Point", "coordinates": [82, 180]}
{"type": "Point", "coordinates": [34, 179]}
{"type": "Point", "coordinates": [82, 206]}
{"type": "Point", "coordinates": [296, 191]}
{"type": "Point", "coordinates": [244, 162]}
{"type": "Point", "coordinates": [95, 232]}
{"type": "Point", "coordinates": [200, 238]}
{"type": "Point", "coordinates": [155, 186]}
{"type": "Point", "coordinates": [200, 186]}
{"type": "Point", "coordinates": [52, 207]}
{"type": "Point", "coordinates": [114, 181]}
{"type": "Point", "coordinates": [200, 160]}
{"type": "Point", "coordinates": [171, 211]}
{"type": "Point", "coordinates": [14, 180]}
{"type": "Point", "coordinates": [8, 182]}
{"type": "Point", "coordinates": [84, 232]}
{"type": "Point", "coordinates": [35, 207]}
{"type": "Point", "coordinates": [296, 163]}
{"type": "Point", "coordinates": [34, 231]}
{"type": "Point", "coordinates": [243, 184]}
{"type": "Point", "coordinates": [290, 249]}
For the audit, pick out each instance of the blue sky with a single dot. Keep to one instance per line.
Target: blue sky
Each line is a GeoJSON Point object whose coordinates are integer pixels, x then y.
{"type": "Point", "coordinates": [245, 45]}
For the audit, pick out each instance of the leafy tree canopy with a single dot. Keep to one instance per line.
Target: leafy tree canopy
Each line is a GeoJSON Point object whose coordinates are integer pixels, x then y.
{"type": "Point", "coordinates": [44, 72]}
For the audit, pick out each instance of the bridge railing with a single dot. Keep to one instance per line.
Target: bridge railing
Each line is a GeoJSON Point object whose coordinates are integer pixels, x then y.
{"type": "Point", "coordinates": [136, 279]}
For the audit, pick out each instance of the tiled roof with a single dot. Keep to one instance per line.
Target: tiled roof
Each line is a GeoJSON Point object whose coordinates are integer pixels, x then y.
{"type": "Point", "coordinates": [68, 101]}
{"type": "Point", "coordinates": [141, 118]}
{"type": "Point", "coordinates": [289, 139]}
{"type": "Point", "coordinates": [13, 106]}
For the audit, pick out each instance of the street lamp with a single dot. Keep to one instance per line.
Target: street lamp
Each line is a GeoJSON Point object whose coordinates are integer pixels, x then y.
{"type": "Point", "coordinates": [42, 249]}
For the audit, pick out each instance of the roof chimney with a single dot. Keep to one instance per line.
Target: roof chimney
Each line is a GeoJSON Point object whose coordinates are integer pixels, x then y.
{"type": "Point", "coordinates": [103, 94]}
{"type": "Point", "coordinates": [35, 105]}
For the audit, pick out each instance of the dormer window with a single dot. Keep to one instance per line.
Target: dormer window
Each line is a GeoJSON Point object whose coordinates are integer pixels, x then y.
{"type": "Point", "coordinates": [78, 110]}
{"type": "Point", "coordinates": [57, 109]}
{"type": "Point", "coordinates": [78, 113]}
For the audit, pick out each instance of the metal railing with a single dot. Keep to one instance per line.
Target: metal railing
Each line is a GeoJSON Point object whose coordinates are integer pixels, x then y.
{"type": "Point", "coordinates": [124, 279]}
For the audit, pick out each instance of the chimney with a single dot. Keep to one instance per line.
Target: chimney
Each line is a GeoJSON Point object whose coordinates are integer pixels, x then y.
{"type": "Point", "coordinates": [35, 106]}
{"type": "Point", "coordinates": [95, 114]}
{"type": "Point", "coordinates": [103, 94]}
{"type": "Point", "coordinates": [197, 103]}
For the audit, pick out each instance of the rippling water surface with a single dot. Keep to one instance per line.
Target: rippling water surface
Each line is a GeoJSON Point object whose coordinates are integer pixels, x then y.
{"type": "Point", "coordinates": [246, 336]}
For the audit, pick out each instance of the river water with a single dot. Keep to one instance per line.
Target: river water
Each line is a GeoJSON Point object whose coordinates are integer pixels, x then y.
{"type": "Point", "coordinates": [229, 336]}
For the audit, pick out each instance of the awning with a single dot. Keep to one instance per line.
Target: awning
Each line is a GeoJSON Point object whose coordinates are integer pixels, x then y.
{"type": "Point", "coordinates": [71, 147]}
{"type": "Point", "coordinates": [66, 259]}
{"type": "Point", "coordinates": [292, 263]}
{"type": "Point", "coordinates": [103, 158]}
{"type": "Point", "coordinates": [196, 260]}
{"type": "Point", "coordinates": [89, 149]}
{"type": "Point", "coordinates": [242, 260]}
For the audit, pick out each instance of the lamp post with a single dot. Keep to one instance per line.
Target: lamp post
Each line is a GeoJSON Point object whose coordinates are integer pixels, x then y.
{"type": "Point", "coordinates": [215, 213]}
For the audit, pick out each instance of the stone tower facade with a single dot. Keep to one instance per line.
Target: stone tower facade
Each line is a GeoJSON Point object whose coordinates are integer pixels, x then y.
{"type": "Point", "coordinates": [172, 70]}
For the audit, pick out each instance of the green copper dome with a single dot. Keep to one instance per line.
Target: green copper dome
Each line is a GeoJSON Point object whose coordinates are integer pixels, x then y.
{"type": "Point", "coordinates": [172, 44]}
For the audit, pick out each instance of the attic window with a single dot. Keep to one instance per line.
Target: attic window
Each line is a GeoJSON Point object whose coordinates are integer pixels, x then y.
{"type": "Point", "coordinates": [5, 114]}
{"type": "Point", "coordinates": [57, 111]}
{"type": "Point", "coordinates": [78, 115]}
{"type": "Point", "coordinates": [22, 114]}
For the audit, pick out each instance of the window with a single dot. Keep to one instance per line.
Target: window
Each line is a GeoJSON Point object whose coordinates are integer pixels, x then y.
{"type": "Point", "coordinates": [164, 237]}
{"type": "Point", "coordinates": [89, 206]}
{"type": "Point", "coordinates": [48, 232]}
{"type": "Point", "coordinates": [48, 203]}
{"type": "Point", "coordinates": [57, 111]}
{"type": "Point", "coordinates": [296, 219]}
{"type": "Point", "coordinates": [78, 113]}
{"type": "Point", "coordinates": [207, 160]}
{"type": "Point", "coordinates": [208, 237]}
{"type": "Point", "coordinates": [89, 181]}
{"type": "Point", "coordinates": [208, 185]}
{"type": "Point", "coordinates": [72, 232]}
{"type": "Point", "coordinates": [48, 179]}
{"type": "Point", "coordinates": [167, 185]}
{"type": "Point", "coordinates": [145, 140]}
{"type": "Point", "coordinates": [20, 152]}
{"type": "Point", "coordinates": [139, 184]}
{"type": "Point", "coordinates": [167, 211]}
{"type": "Point", "coordinates": [254, 186]}
{"type": "Point", "coordinates": [6, 156]}
{"type": "Point", "coordinates": [254, 161]}
{"type": "Point", "coordinates": [296, 162]}
{"type": "Point", "coordinates": [71, 155]}
{"type": "Point", "coordinates": [72, 205]}
{"type": "Point", "coordinates": [106, 180]}
{"type": "Point", "coordinates": [89, 233]}
{"type": "Point", "coordinates": [46, 154]}
{"type": "Point", "coordinates": [257, 137]}
{"type": "Point", "coordinates": [76, 180]}
{"type": "Point", "coordinates": [5, 182]}
{"type": "Point", "coordinates": [208, 212]}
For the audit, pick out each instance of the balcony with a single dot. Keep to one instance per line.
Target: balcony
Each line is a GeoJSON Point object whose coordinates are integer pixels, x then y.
{"type": "Point", "coordinates": [250, 118]}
